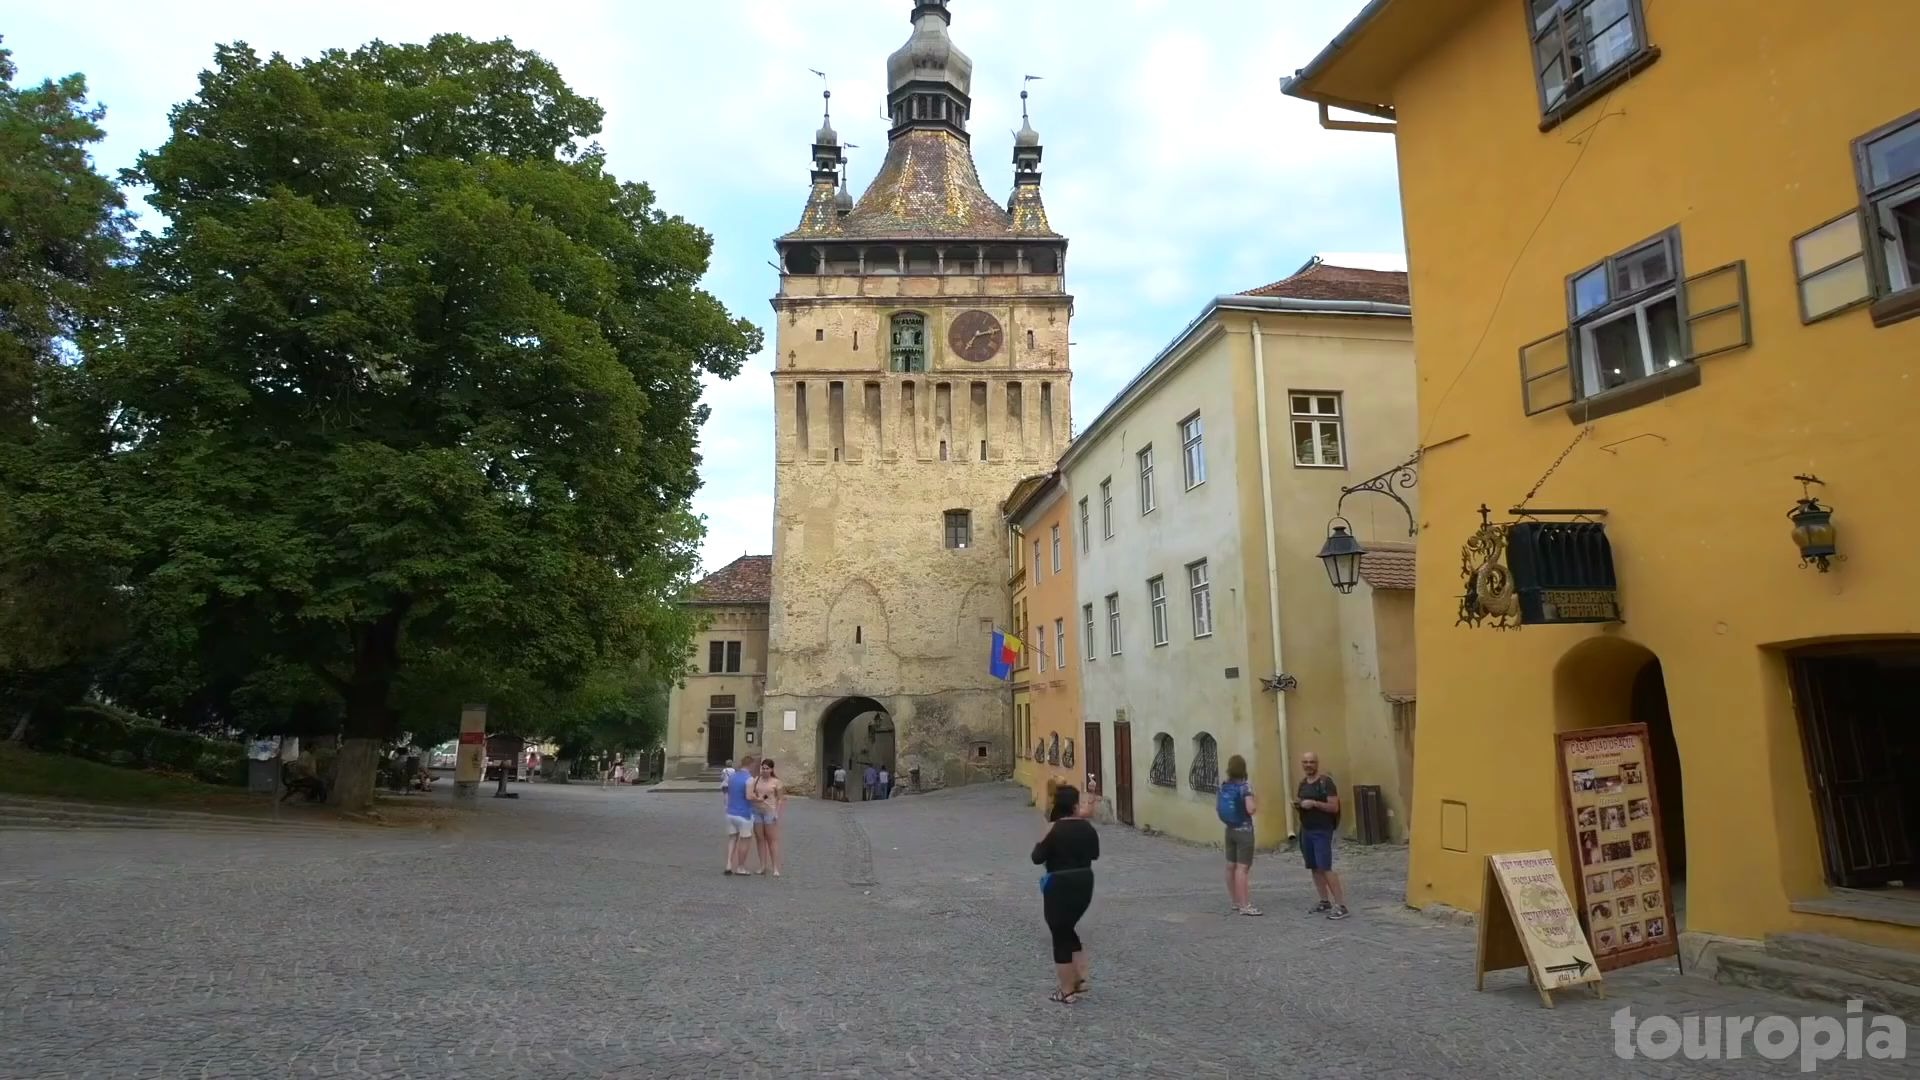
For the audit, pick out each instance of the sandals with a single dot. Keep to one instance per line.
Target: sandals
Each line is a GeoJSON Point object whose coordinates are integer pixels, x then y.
{"type": "Point", "coordinates": [1084, 986]}
{"type": "Point", "coordinates": [1064, 999]}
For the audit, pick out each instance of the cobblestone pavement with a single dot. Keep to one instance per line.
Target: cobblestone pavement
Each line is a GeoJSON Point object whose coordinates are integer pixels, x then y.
{"type": "Point", "coordinates": [581, 932]}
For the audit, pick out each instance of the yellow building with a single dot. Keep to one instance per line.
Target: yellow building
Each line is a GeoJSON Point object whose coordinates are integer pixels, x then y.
{"type": "Point", "coordinates": [1635, 233]}
{"type": "Point", "coordinates": [713, 713]}
{"type": "Point", "coordinates": [1047, 725]}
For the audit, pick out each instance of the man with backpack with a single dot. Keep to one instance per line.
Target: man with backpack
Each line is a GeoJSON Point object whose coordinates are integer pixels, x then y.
{"type": "Point", "coordinates": [1236, 806]}
{"type": "Point", "coordinates": [1319, 816]}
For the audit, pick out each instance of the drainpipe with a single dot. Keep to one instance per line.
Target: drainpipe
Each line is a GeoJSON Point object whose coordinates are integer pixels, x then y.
{"type": "Point", "coordinates": [1273, 578]}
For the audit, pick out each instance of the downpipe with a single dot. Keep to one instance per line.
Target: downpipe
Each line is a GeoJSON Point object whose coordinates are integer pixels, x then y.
{"type": "Point", "coordinates": [1273, 579]}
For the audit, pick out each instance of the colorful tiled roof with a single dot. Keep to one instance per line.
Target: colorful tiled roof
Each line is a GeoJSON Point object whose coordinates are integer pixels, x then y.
{"type": "Point", "coordinates": [1324, 281]}
{"type": "Point", "coordinates": [927, 188]}
{"type": "Point", "coordinates": [1387, 566]}
{"type": "Point", "coordinates": [746, 580]}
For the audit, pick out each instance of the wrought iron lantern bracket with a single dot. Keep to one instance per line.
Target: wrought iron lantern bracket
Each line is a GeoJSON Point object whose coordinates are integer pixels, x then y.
{"type": "Point", "coordinates": [1401, 477]}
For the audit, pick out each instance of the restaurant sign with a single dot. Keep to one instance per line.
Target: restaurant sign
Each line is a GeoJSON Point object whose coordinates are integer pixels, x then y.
{"type": "Point", "coordinates": [1532, 573]}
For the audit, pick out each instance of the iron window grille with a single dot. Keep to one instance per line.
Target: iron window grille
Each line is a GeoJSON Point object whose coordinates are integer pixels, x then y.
{"type": "Point", "coordinates": [1053, 749]}
{"type": "Point", "coordinates": [1066, 755]}
{"type": "Point", "coordinates": [1164, 771]}
{"type": "Point", "coordinates": [1204, 773]}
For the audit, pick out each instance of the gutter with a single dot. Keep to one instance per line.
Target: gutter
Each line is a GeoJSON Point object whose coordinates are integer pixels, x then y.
{"type": "Point", "coordinates": [1232, 302]}
{"type": "Point", "coordinates": [1295, 85]}
{"type": "Point", "coordinates": [1273, 578]}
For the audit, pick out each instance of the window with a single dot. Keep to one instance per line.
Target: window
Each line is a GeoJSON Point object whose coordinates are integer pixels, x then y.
{"type": "Point", "coordinates": [1060, 643]}
{"type": "Point", "coordinates": [1318, 440]}
{"type": "Point", "coordinates": [819, 335]}
{"type": "Point", "coordinates": [720, 701]}
{"type": "Point", "coordinates": [1888, 161]}
{"type": "Point", "coordinates": [723, 657]}
{"type": "Point", "coordinates": [1577, 43]}
{"type": "Point", "coordinates": [1086, 618]}
{"type": "Point", "coordinates": [1056, 549]}
{"type": "Point", "coordinates": [753, 719]}
{"type": "Point", "coordinates": [1113, 624]}
{"type": "Point", "coordinates": [1204, 773]}
{"type": "Point", "coordinates": [1039, 648]}
{"type": "Point", "coordinates": [909, 342]}
{"type": "Point", "coordinates": [1106, 507]}
{"type": "Point", "coordinates": [1086, 528]}
{"type": "Point", "coordinates": [1193, 453]}
{"type": "Point", "coordinates": [1146, 480]}
{"type": "Point", "coordinates": [1014, 569]}
{"type": "Point", "coordinates": [1036, 562]}
{"type": "Point", "coordinates": [959, 528]}
{"type": "Point", "coordinates": [1157, 602]}
{"type": "Point", "coordinates": [1200, 598]}
{"type": "Point", "coordinates": [1164, 771]}
{"type": "Point", "coordinates": [1831, 268]}
{"type": "Point", "coordinates": [1626, 316]}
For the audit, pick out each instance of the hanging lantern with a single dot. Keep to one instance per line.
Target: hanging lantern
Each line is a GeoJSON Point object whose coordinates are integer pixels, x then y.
{"type": "Point", "coordinates": [1341, 555]}
{"type": "Point", "coordinates": [1813, 531]}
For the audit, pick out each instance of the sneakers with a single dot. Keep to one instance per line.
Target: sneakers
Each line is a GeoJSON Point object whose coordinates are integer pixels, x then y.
{"type": "Point", "coordinates": [1324, 905]}
{"type": "Point", "coordinates": [1251, 910]}
{"type": "Point", "coordinates": [1338, 913]}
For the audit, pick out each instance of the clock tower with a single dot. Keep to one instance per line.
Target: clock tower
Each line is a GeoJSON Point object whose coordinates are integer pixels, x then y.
{"type": "Point", "coordinates": [920, 371]}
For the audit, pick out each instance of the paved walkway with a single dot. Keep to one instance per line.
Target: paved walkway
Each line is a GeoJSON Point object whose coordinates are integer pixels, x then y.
{"type": "Point", "coordinates": [581, 932]}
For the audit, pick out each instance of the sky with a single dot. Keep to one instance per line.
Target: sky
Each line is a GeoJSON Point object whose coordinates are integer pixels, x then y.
{"type": "Point", "coordinates": [1174, 165]}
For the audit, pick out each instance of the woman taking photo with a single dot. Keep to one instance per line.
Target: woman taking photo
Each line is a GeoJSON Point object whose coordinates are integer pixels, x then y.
{"type": "Point", "coordinates": [769, 798]}
{"type": "Point", "coordinates": [1068, 852]}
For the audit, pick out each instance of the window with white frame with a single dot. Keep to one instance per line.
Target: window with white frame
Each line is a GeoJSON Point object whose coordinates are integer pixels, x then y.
{"type": "Point", "coordinates": [1113, 624]}
{"type": "Point", "coordinates": [1627, 323]}
{"type": "Point", "coordinates": [1039, 648]}
{"type": "Point", "coordinates": [1014, 569]}
{"type": "Point", "coordinates": [1106, 508]}
{"type": "Point", "coordinates": [1036, 562]}
{"type": "Point", "coordinates": [1060, 642]}
{"type": "Point", "coordinates": [1200, 598]}
{"type": "Point", "coordinates": [1145, 457]}
{"type": "Point", "coordinates": [1086, 528]}
{"type": "Point", "coordinates": [1193, 452]}
{"type": "Point", "coordinates": [1086, 629]}
{"type": "Point", "coordinates": [1157, 603]}
{"type": "Point", "coordinates": [1319, 438]}
{"type": "Point", "coordinates": [1056, 549]}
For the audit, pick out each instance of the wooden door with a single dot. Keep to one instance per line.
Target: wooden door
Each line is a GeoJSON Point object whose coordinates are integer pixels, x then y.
{"type": "Point", "coordinates": [1856, 723]}
{"type": "Point", "coordinates": [1096, 769]}
{"type": "Point", "coordinates": [719, 739]}
{"type": "Point", "coordinates": [1123, 771]}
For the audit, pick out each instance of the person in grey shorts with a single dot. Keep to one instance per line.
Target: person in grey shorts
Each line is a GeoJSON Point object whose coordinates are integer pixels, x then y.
{"type": "Point", "coordinates": [1236, 808]}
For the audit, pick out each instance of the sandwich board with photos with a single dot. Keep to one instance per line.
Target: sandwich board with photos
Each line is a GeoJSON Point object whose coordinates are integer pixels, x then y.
{"type": "Point", "coordinates": [1618, 844]}
{"type": "Point", "coordinates": [1527, 921]}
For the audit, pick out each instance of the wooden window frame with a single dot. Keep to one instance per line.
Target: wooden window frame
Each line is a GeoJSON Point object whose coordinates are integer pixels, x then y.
{"type": "Point", "coordinates": [1864, 256]}
{"type": "Point", "coordinates": [1644, 54]}
{"type": "Point", "coordinates": [947, 521]}
{"type": "Point", "coordinates": [1888, 306]}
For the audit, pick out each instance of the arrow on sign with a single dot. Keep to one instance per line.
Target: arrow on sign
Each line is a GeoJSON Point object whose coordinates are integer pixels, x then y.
{"type": "Point", "coordinates": [1578, 967]}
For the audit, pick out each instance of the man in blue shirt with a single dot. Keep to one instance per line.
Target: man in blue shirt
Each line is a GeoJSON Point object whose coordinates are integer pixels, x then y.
{"type": "Point", "coordinates": [872, 781]}
{"type": "Point", "coordinates": [740, 815]}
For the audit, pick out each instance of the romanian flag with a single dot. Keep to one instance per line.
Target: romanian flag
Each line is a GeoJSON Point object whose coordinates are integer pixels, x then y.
{"type": "Point", "coordinates": [1006, 655]}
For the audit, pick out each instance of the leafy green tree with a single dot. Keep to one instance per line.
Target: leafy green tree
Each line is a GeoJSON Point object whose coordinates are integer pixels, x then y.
{"type": "Point", "coordinates": [408, 374]}
{"type": "Point", "coordinates": [62, 226]}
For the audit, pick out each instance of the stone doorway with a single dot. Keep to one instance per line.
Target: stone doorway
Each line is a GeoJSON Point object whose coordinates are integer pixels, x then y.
{"type": "Point", "coordinates": [856, 732]}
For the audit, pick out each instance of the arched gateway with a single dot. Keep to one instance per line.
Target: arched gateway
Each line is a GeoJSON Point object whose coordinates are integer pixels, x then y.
{"type": "Point", "coordinates": [855, 732]}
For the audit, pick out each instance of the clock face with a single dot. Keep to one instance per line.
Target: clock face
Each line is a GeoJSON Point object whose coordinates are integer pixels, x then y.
{"type": "Point", "coordinates": [974, 335]}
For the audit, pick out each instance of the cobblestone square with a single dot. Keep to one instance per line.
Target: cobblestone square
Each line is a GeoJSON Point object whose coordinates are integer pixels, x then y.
{"type": "Point", "coordinates": [582, 932]}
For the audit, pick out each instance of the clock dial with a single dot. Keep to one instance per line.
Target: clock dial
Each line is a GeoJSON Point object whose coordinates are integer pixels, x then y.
{"type": "Point", "coordinates": [975, 335]}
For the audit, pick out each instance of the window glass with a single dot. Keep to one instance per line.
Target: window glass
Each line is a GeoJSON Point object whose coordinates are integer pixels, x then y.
{"type": "Point", "coordinates": [1590, 291]}
{"type": "Point", "coordinates": [1894, 156]}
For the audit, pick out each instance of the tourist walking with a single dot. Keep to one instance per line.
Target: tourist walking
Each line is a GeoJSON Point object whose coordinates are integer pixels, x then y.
{"type": "Point", "coordinates": [1319, 800]}
{"type": "Point", "coordinates": [840, 782]}
{"type": "Point", "coordinates": [886, 783]}
{"type": "Point", "coordinates": [1236, 806]}
{"type": "Point", "coordinates": [1067, 851]}
{"type": "Point", "coordinates": [870, 779]}
{"type": "Point", "coordinates": [739, 817]}
{"type": "Point", "coordinates": [769, 798]}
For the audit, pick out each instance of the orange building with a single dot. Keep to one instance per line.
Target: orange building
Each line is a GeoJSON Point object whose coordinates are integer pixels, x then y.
{"type": "Point", "coordinates": [1048, 735]}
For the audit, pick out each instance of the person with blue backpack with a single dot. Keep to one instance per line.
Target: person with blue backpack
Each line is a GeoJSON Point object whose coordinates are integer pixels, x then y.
{"type": "Point", "coordinates": [1236, 806]}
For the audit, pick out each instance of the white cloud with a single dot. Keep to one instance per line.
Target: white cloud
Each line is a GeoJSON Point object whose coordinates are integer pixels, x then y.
{"type": "Point", "coordinates": [1173, 163]}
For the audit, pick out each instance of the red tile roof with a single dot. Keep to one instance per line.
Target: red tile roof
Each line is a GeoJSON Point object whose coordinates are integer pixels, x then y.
{"type": "Point", "coordinates": [1387, 566]}
{"type": "Point", "coordinates": [1324, 281]}
{"type": "Point", "coordinates": [746, 580]}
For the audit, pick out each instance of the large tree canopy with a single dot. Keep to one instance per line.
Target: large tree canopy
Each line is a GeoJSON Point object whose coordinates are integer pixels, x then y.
{"type": "Point", "coordinates": [62, 225]}
{"type": "Point", "coordinates": [406, 374]}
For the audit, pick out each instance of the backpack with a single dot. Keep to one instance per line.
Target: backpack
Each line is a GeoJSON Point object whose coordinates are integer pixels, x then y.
{"type": "Point", "coordinates": [1231, 804]}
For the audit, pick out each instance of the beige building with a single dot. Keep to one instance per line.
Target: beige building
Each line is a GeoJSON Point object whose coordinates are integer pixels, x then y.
{"type": "Point", "coordinates": [1198, 496]}
{"type": "Point", "coordinates": [714, 714]}
{"type": "Point", "coordinates": [920, 371]}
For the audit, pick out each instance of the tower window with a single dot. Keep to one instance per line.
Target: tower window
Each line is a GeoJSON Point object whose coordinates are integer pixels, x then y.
{"type": "Point", "coordinates": [909, 342]}
{"type": "Point", "coordinates": [959, 528]}
{"type": "Point", "coordinates": [819, 334]}
{"type": "Point", "coordinates": [1029, 339]}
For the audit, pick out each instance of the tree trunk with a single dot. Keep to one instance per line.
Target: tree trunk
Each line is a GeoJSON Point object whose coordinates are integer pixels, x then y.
{"type": "Point", "coordinates": [370, 719]}
{"type": "Point", "coordinates": [353, 769]}
{"type": "Point", "coordinates": [20, 727]}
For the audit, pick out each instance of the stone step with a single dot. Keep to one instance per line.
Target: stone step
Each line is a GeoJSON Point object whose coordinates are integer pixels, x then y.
{"type": "Point", "coordinates": [1817, 982]}
{"type": "Point", "coordinates": [1873, 961]}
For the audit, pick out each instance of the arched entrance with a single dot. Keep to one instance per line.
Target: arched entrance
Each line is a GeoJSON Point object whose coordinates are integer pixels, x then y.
{"type": "Point", "coordinates": [855, 732]}
{"type": "Point", "coordinates": [1602, 682]}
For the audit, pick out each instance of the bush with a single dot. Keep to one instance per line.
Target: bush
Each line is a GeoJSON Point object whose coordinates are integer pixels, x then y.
{"type": "Point", "coordinates": [103, 733]}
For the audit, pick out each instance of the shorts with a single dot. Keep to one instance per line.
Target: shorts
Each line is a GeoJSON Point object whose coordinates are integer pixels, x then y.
{"type": "Point", "coordinates": [1316, 847]}
{"type": "Point", "coordinates": [740, 827]}
{"type": "Point", "coordinates": [766, 819]}
{"type": "Point", "coordinates": [1240, 846]}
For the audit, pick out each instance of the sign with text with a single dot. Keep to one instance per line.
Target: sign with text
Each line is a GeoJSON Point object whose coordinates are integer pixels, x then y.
{"type": "Point", "coordinates": [1563, 572]}
{"type": "Point", "coordinates": [1613, 820]}
{"type": "Point", "coordinates": [1528, 920]}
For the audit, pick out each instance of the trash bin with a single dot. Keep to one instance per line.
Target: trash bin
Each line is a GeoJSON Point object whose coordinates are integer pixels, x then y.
{"type": "Point", "coordinates": [261, 776]}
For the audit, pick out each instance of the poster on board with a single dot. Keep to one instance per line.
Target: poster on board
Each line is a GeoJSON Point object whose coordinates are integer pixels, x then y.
{"type": "Point", "coordinates": [1613, 820]}
{"type": "Point", "coordinates": [1527, 919]}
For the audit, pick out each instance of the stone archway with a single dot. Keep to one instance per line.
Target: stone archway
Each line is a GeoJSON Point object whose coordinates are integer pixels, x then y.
{"type": "Point", "coordinates": [855, 732]}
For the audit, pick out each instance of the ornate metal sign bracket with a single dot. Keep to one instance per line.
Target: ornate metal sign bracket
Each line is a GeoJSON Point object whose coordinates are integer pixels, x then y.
{"type": "Point", "coordinates": [1402, 477]}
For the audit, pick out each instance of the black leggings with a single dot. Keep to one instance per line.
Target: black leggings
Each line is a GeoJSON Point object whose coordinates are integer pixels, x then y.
{"type": "Point", "coordinates": [1067, 897]}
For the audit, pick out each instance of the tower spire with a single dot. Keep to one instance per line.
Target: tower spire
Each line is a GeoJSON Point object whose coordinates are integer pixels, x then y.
{"type": "Point", "coordinates": [929, 78]}
{"type": "Point", "coordinates": [1029, 214]}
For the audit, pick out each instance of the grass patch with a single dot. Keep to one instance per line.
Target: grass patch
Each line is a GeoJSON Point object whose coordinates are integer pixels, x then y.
{"type": "Point", "coordinates": [57, 776]}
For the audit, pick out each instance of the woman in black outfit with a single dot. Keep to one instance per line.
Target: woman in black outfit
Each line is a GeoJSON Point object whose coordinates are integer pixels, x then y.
{"type": "Point", "coordinates": [1067, 851]}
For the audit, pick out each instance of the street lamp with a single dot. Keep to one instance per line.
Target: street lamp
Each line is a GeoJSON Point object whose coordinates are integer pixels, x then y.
{"type": "Point", "coordinates": [1341, 555]}
{"type": "Point", "coordinates": [1813, 530]}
